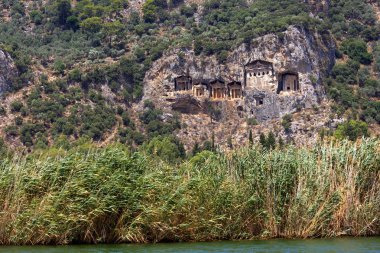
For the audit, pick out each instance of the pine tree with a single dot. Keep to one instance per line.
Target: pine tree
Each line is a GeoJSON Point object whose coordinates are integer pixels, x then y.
{"type": "Point", "coordinates": [263, 140]}
{"type": "Point", "coordinates": [213, 141]}
{"type": "Point", "coordinates": [250, 138]}
{"type": "Point", "coordinates": [196, 149]}
{"type": "Point", "coordinates": [281, 143]}
{"type": "Point", "coordinates": [271, 141]}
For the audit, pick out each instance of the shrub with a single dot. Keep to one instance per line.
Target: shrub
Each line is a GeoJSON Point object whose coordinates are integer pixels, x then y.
{"type": "Point", "coordinates": [346, 73]}
{"type": "Point", "coordinates": [75, 75]}
{"type": "Point", "coordinates": [268, 142]}
{"type": "Point", "coordinates": [29, 131]}
{"type": "Point", "coordinates": [3, 112]}
{"type": "Point", "coordinates": [11, 131]}
{"type": "Point", "coordinates": [18, 121]}
{"type": "Point", "coordinates": [16, 106]}
{"type": "Point", "coordinates": [287, 122]}
{"type": "Point", "coordinates": [126, 120]}
{"type": "Point", "coordinates": [188, 11]}
{"type": "Point", "coordinates": [352, 130]}
{"type": "Point", "coordinates": [167, 148]}
{"type": "Point", "coordinates": [252, 122]}
{"type": "Point", "coordinates": [356, 49]}
{"type": "Point", "coordinates": [59, 67]}
{"type": "Point", "coordinates": [36, 17]}
{"type": "Point", "coordinates": [149, 10]}
{"type": "Point", "coordinates": [91, 25]}
{"type": "Point", "coordinates": [3, 148]}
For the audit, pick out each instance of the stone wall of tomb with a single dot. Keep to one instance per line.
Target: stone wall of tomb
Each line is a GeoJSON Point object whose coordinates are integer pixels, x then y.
{"type": "Point", "coordinates": [261, 80]}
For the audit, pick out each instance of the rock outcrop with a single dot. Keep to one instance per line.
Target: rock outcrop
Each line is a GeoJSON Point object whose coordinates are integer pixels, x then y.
{"type": "Point", "coordinates": [306, 55]}
{"type": "Point", "coordinates": [8, 71]}
{"type": "Point", "coordinates": [297, 50]}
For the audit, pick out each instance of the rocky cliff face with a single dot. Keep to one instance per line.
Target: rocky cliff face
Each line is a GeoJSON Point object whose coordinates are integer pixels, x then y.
{"type": "Point", "coordinates": [308, 55]}
{"type": "Point", "coordinates": [8, 71]}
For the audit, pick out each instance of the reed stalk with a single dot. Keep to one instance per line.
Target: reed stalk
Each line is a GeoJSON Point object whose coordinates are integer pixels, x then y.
{"type": "Point", "coordinates": [106, 195]}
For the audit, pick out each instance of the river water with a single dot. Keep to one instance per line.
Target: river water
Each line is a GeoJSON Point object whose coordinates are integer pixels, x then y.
{"type": "Point", "coordinates": [344, 245]}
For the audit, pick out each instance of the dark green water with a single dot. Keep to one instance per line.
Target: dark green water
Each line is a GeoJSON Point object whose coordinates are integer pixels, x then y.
{"type": "Point", "coordinates": [344, 245]}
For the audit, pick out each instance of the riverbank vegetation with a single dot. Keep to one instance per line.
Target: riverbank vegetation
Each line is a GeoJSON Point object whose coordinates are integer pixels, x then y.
{"type": "Point", "coordinates": [87, 194]}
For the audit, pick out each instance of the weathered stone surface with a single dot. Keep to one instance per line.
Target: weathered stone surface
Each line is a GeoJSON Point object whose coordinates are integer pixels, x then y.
{"type": "Point", "coordinates": [296, 50]}
{"type": "Point", "coordinates": [187, 104]}
{"type": "Point", "coordinates": [309, 55]}
{"type": "Point", "coordinates": [7, 71]}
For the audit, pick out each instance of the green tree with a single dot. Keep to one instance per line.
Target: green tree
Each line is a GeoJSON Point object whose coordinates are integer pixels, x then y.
{"type": "Point", "coordinates": [61, 10]}
{"type": "Point", "coordinates": [167, 148]}
{"type": "Point", "coordinates": [16, 106]}
{"type": "Point", "coordinates": [126, 119]}
{"type": "Point", "coordinates": [75, 75]}
{"type": "Point", "coordinates": [3, 148]}
{"type": "Point", "coordinates": [352, 130]}
{"type": "Point", "coordinates": [59, 66]}
{"type": "Point", "coordinates": [112, 29]}
{"type": "Point", "coordinates": [271, 141]}
{"type": "Point", "coordinates": [281, 143]}
{"type": "Point", "coordinates": [149, 11]}
{"type": "Point", "coordinates": [91, 25]}
{"type": "Point", "coordinates": [356, 49]}
{"type": "Point", "coordinates": [213, 147]}
{"type": "Point", "coordinates": [287, 123]}
{"type": "Point", "coordinates": [36, 17]}
{"type": "Point", "coordinates": [263, 140]}
{"type": "Point", "coordinates": [72, 22]}
{"type": "Point", "coordinates": [196, 149]}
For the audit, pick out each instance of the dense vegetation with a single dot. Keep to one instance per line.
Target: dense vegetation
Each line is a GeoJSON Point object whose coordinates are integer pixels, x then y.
{"type": "Point", "coordinates": [354, 83]}
{"type": "Point", "coordinates": [110, 194]}
{"type": "Point", "coordinates": [86, 46]}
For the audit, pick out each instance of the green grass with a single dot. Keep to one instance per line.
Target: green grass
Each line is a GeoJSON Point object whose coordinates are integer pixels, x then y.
{"type": "Point", "coordinates": [96, 195]}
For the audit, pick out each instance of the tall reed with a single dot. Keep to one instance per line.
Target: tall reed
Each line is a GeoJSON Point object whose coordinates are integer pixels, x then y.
{"type": "Point", "coordinates": [96, 195]}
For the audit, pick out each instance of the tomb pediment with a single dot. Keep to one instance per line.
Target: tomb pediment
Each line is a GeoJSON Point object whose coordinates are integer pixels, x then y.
{"type": "Point", "coordinates": [234, 83]}
{"type": "Point", "coordinates": [182, 77]}
{"type": "Point", "coordinates": [259, 64]}
{"type": "Point", "coordinates": [216, 81]}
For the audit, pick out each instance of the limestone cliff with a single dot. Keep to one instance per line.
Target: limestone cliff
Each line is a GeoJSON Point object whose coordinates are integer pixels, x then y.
{"type": "Point", "coordinates": [7, 71]}
{"type": "Point", "coordinates": [309, 55]}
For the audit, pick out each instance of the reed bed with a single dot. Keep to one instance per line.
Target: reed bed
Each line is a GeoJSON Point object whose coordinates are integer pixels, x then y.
{"type": "Point", "coordinates": [110, 195]}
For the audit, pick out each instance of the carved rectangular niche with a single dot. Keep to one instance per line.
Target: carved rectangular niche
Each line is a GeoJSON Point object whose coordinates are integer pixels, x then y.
{"type": "Point", "coordinates": [288, 81]}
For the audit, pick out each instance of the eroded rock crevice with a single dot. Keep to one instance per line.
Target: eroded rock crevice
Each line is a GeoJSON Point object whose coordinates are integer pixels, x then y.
{"type": "Point", "coordinates": [8, 71]}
